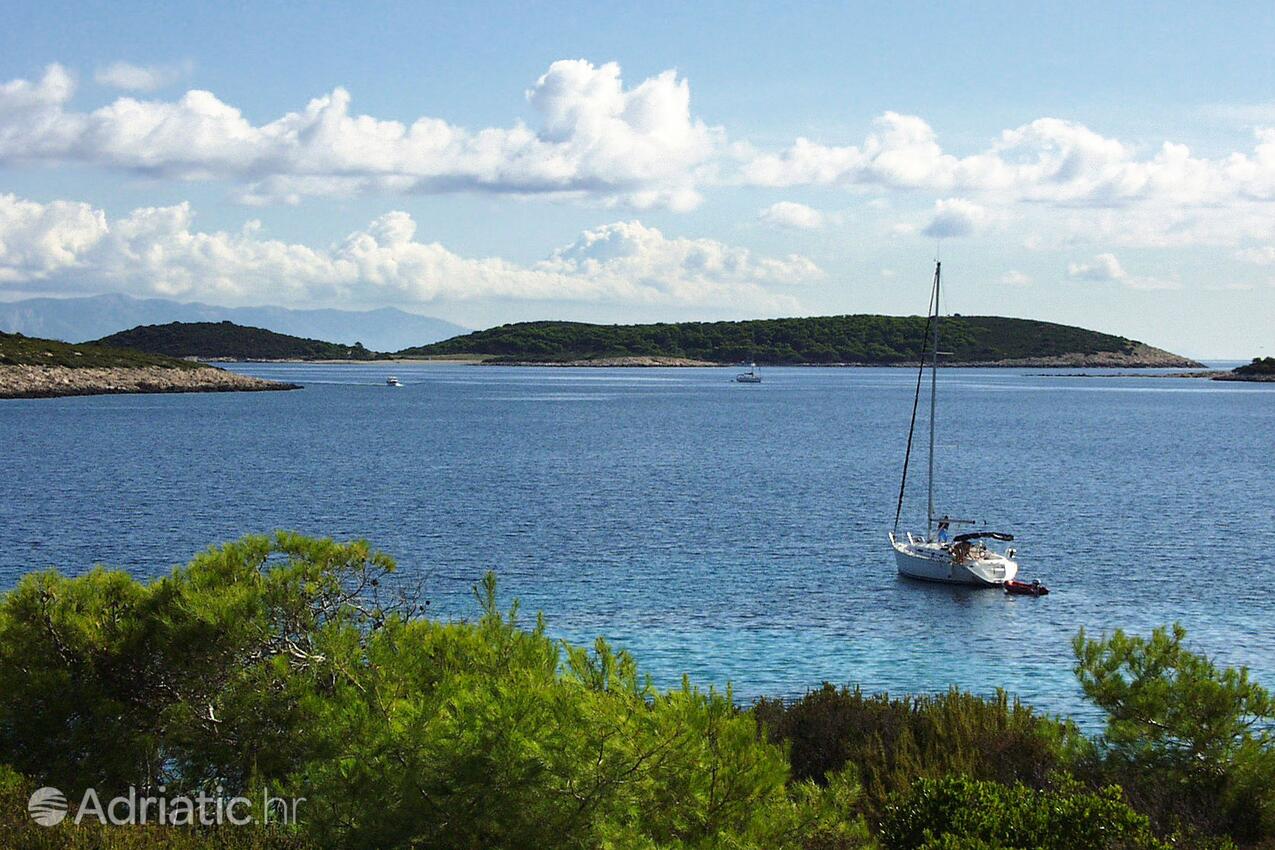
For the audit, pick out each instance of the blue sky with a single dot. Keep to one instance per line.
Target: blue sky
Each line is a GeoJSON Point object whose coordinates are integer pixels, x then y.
{"type": "Point", "coordinates": [1101, 165]}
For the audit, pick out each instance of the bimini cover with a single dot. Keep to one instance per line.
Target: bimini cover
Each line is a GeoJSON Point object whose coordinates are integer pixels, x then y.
{"type": "Point", "coordinates": [975, 535]}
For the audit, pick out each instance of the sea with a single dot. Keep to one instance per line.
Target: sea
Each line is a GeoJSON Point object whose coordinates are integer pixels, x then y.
{"type": "Point", "coordinates": [732, 533]}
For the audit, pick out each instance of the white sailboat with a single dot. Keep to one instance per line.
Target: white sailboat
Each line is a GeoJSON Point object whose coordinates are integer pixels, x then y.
{"type": "Point", "coordinates": [965, 558]}
{"type": "Point", "coordinates": [749, 377]}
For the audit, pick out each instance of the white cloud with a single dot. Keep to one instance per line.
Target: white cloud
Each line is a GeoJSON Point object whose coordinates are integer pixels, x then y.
{"type": "Point", "coordinates": [1014, 277]}
{"type": "Point", "coordinates": [1049, 159]}
{"type": "Point", "coordinates": [38, 240]}
{"type": "Point", "coordinates": [955, 217]}
{"type": "Point", "coordinates": [68, 247]}
{"type": "Point", "coordinates": [1263, 256]}
{"type": "Point", "coordinates": [1103, 267]}
{"type": "Point", "coordinates": [597, 140]}
{"type": "Point", "coordinates": [792, 215]}
{"type": "Point", "coordinates": [145, 78]}
{"type": "Point", "coordinates": [1165, 197]}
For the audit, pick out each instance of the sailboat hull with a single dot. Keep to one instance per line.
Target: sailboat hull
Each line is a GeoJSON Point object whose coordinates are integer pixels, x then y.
{"type": "Point", "coordinates": [931, 562]}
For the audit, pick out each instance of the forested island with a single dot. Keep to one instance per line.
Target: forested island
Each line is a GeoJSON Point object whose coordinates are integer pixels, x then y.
{"type": "Point", "coordinates": [300, 669]}
{"type": "Point", "coordinates": [817, 341]}
{"type": "Point", "coordinates": [826, 340]}
{"type": "Point", "coordinates": [1262, 369]}
{"type": "Point", "coordinates": [44, 368]}
{"type": "Point", "coordinates": [229, 341]}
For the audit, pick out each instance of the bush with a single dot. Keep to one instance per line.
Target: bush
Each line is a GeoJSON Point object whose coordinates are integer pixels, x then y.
{"type": "Point", "coordinates": [959, 812]}
{"type": "Point", "coordinates": [891, 742]}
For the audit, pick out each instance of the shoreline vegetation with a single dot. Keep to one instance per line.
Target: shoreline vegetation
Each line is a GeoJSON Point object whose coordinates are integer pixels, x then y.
{"type": "Point", "coordinates": [38, 368]}
{"type": "Point", "coordinates": [306, 668]}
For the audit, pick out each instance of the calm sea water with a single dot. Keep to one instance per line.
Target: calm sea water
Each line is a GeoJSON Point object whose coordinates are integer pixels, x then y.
{"type": "Point", "coordinates": [731, 532]}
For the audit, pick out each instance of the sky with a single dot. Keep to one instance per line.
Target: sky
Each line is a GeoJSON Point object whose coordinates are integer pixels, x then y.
{"type": "Point", "coordinates": [1104, 165]}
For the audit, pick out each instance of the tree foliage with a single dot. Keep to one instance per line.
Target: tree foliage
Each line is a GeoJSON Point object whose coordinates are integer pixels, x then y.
{"type": "Point", "coordinates": [282, 663]}
{"type": "Point", "coordinates": [822, 339]}
{"type": "Point", "coordinates": [1194, 742]}
{"type": "Point", "coordinates": [300, 666]}
{"type": "Point", "coordinates": [193, 678]}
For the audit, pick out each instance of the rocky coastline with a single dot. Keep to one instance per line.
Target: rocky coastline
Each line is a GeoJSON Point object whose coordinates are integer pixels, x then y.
{"type": "Point", "coordinates": [1141, 356]}
{"type": "Point", "coordinates": [58, 381]}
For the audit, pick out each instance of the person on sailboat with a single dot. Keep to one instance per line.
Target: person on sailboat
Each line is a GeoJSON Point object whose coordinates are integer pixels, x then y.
{"type": "Point", "coordinates": [943, 526]}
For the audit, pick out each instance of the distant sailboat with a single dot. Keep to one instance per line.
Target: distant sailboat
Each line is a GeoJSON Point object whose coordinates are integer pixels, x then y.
{"type": "Point", "coordinates": [749, 377]}
{"type": "Point", "coordinates": [392, 381]}
{"type": "Point", "coordinates": [966, 558]}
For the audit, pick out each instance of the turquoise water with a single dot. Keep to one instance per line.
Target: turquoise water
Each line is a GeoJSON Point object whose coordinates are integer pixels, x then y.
{"type": "Point", "coordinates": [726, 531]}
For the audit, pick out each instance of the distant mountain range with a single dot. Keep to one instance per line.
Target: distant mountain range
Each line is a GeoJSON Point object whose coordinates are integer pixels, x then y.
{"type": "Point", "coordinates": [83, 319]}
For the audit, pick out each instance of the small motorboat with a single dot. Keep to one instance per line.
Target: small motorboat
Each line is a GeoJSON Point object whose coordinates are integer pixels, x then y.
{"type": "Point", "coordinates": [392, 381]}
{"type": "Point", "coordinates": [749, 377]}
{"type": "Point", "coordinates": [1026, 588]}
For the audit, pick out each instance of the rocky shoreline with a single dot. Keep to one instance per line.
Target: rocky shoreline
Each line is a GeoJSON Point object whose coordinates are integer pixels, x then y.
{"type": "Point", "coordinates": [1140, 357]}
{"type": "Point", "coordinates": [60, 381]}
{"type": "Point", "coordinates": [638, 361]}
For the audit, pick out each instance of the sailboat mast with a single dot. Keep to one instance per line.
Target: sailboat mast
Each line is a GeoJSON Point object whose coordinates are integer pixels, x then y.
{"type": "Point", "coordinates": [934, 391]}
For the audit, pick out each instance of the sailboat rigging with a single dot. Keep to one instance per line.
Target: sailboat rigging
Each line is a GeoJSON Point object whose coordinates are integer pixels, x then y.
{"type": "Point", "coordinates": [966, 558]}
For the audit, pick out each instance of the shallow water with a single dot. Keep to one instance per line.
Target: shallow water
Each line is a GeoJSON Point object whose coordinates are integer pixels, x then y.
{"type": "Point", "coordinates": [728, 531]}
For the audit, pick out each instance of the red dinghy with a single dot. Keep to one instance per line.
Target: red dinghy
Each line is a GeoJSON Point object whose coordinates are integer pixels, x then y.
{"type": "Point", "coordinates": [1024, 588]}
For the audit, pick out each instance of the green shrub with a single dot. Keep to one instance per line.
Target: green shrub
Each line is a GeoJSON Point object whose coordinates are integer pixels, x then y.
{"type": "Point", "coordinates": [959, 812]}
{"type": "Point", "coordinates": [891, 742]}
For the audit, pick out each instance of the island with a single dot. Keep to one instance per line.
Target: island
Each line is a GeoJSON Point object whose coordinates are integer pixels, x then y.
{"type": "Point", "coordinates": [43, 368]}
{"type": "Point", "coordinates": [1261, 370]}
{"type": "Point", "coordinates": [852, 340]}
{"type": "Point", "coordinates": [229, 341]}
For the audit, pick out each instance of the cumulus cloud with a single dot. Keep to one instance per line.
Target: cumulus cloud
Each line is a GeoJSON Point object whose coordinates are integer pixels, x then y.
{"type": "Point", "coordinates": [144, 78]}
{"type": "Point", "coordinates": [789, 214]}
{"type": "Point", "coordinates": [593, 138]}
{"type": "Point", "coordinates": [65, 246]}
{"type": "Point", "coordinates": [1103, 267]}
{"type": "Point", "coordinates": [1163, 197]}
{"type": "Point", "coordinates": [1014, 277]}
{"type": "Point", "coordinates": [1046, 160]}
{"type": "Point", "coordinates": [955, 217]}
{"type": "Point", "coordinates": [638, 146]}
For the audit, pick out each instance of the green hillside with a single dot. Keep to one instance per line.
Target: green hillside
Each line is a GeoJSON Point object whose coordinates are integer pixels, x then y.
{"type": "Point", "coordinates": [226, 340]}
{"type": "Point", "coordinates": [827, 339]}
{"type": "Point", "coordinates": [19, 350]}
